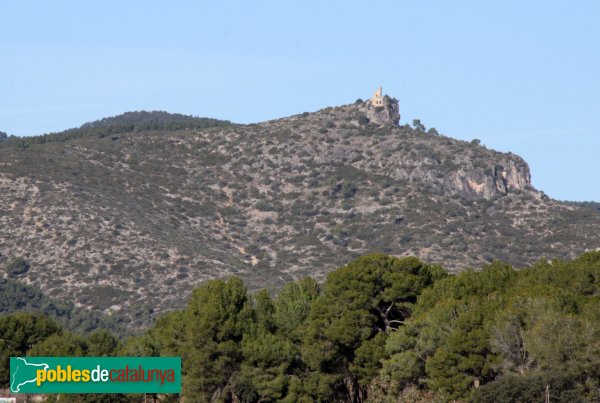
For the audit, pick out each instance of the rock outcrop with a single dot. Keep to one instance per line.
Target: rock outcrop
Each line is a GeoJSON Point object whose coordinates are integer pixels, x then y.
{"type": "Point", "coordinates": [507, 176]}
{"type": "Point", "coordinates": [385, 114]}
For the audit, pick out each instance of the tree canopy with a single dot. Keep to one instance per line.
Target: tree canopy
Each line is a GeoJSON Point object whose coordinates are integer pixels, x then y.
{"type": "Point", "coordinates": [378, 329]}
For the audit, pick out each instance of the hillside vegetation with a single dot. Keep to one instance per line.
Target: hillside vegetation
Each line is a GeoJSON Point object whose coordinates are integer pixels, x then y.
{"type": "Point", "coordinates": [379, 329]}
{"type": "Point", "coordinates": [18, 297]}
{"type": "Point", "coordinates": [124, 123]}
{"type": "Point", "coordinates": [126, 215]}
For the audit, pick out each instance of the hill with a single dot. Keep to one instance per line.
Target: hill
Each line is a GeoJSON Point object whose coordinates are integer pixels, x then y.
{"type": "Point", "coordinates": [126, 216]}
{"type": "Point", "coordinates": [127, 122]}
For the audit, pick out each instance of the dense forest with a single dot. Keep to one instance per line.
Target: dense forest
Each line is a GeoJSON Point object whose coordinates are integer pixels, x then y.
{"type": "Point", "coordinates": [379, 329]}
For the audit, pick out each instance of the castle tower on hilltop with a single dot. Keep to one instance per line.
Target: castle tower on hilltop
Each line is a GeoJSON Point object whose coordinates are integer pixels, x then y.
{"type": "Point", "coordinates": [381, 109]}
{"type": "Point", "coordinates": [377, 98]}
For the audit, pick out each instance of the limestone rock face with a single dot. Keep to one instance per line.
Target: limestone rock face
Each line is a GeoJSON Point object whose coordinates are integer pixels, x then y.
{"type": "Point", "coordinates": [386, 114]}
{"type": "Point", "coordinates": [506, 177]}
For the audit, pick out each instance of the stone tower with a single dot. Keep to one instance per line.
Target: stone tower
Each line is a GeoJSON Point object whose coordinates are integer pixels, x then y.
{"type": "Point", "coordinates": [377, 98]}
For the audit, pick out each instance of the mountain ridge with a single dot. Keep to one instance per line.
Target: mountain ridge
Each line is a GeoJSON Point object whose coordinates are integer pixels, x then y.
{"type": "Point", "coordinates": [129, 222]}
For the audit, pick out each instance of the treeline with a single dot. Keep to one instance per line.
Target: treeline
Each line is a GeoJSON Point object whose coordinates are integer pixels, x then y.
{"type": "Point", "coordinates": [16, 296]}
{"type": "Point", "coordinates": [379, 329]}
{"type": "Point", "coordinates": [584, 204]}
{"type": "Point", "coordinates": [124, 123]}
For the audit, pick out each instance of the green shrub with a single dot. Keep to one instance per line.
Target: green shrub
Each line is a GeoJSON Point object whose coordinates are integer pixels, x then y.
{"type": "Point", "coordinates": [17, 266]}
{"type": "Point", "coordinates": [562, 387]}
{"type": "Point", "coordinates": [262, 205]}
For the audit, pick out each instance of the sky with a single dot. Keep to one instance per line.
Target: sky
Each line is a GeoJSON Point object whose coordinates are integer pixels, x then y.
{"type": "Point", "coordinates": [521, 76]}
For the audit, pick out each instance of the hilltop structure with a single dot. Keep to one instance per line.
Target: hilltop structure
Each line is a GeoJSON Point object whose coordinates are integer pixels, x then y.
{"type": "Point", "coordinates": [377, 98]}
{"type": "Point", "coordinates": [381, 109]}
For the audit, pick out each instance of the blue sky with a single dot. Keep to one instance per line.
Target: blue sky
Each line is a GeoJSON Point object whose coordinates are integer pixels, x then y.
{"type": "Point", "coordinates": [521, 76]}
